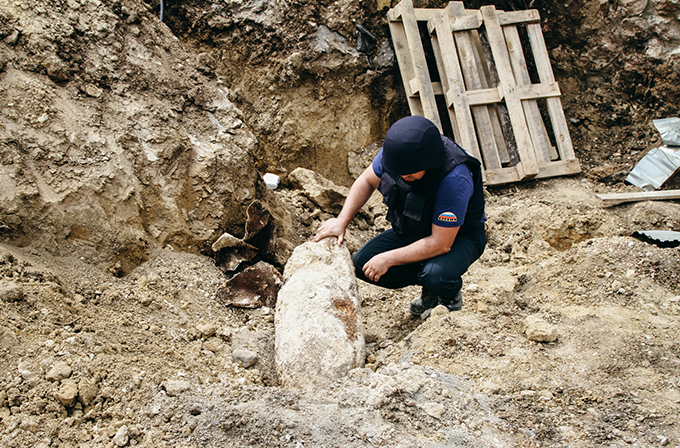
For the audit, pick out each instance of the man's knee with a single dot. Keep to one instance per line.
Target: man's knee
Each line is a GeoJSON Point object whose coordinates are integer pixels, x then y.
{"type": "Point", "coordinates": [440, 280]}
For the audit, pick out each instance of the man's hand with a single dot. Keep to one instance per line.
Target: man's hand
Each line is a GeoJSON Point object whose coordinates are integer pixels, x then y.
{"type": "Point", "coordinates": [361, 190]}
{"type": "Point", "coordinates": [332, 227]}
{"type": "Point", "coordinates": [377, 266]}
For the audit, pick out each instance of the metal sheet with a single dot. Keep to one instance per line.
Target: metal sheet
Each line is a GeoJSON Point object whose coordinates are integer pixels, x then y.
{"type": "Point", "coordinates": [669, 128]}
{"type": "Point", "coordinates": [655, 168]}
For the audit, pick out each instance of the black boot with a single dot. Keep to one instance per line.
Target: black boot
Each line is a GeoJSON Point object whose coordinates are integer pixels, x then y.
{"type": "Point", "coordinates": [422, 306]}
{"type": "Point", "coordinates": [454, 304]}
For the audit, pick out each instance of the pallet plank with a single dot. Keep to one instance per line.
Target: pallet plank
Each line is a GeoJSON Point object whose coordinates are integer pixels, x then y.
{"type": "Point", "coordinates": [453, 84]}
{"type": "Point", "coordinates": [471, 75]}
{"type": "Point", "coordinates": [518, 17]}
{"type": "Point", "coordinates": [539, 135]}
{"type": "Point", "coordinates": [515, 110]}
{"type": "Point", "coordinates": [536, 91]}
{"type": "Point", "coordinates": [545, 73]}
{"type": "Point", "coordinates": [620, 198]}
{"type": "Point", "coordinates": [488, 80]}
{"type": "Point", "coordinates": [419, 63]}
{"type": "Point", "coordinates": [401, 51]}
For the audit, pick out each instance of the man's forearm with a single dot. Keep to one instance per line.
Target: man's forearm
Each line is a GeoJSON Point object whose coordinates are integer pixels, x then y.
{"type": "Point", "coordinates": [438, 243]}
{"type": "Point", "coordinates": [420, 250]}
{"type": "Point", "coordinates": [361, 191]}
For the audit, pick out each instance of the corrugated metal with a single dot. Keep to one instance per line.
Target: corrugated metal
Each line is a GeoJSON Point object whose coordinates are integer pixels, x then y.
{"type": "Point", "coordinates": [655, 168]}
{"type": "Point", "coordinates": [660, 163]}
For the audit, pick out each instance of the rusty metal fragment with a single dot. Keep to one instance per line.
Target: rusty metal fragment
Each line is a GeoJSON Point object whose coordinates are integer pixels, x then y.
{"type": "Point", "coordinates": [258, 218]}
{"type": "Point", "coordinates": [261, 230]}
{"type": "Point", "coordinates": [255, 287]}
{"type": "Point", "coordinates": [228, 240]}
{"type": "Point", "coordinates": [231, 252]}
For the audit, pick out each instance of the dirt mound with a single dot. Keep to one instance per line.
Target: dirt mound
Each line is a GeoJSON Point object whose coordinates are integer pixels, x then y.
{"type": "Point", "coordinates": [113, 142]}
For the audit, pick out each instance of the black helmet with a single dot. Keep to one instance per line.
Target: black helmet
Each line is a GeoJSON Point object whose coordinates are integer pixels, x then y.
{"type": "Point", "coordinates": [413, 144]}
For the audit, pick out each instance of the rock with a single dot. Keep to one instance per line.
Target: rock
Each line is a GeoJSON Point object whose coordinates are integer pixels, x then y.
{"type": "Point", "coordinates": [434, 410]}
{"type": "Point", "coordinates": [11, 291]}
{"type": "Point", "coordinates": [250, 347]}
{"type": "Point", "coordinates": [176, 387]}
{"type": "Point", "coordinates": [227, 240]}
{"type": "Point", "coordinates": [245, 357]}
{"type": "Point", "coordinates": [539, 330]}
{"type": "Point", "coordinates": [67, 393]}
{"type": "Point", "coordinates": [673, 395]}
{"type": "Point", "coordinates": [93, 91]}
{"type": "Point", "coordinates": [213, 345]}
{"type": "Point", "coordinates": [58, 372]}
{"type": "Point", "coordinates": [87, 391]}
{"type": "Point", "coordinates": [122, 436]}
{"type": "Point", "coordinates": [324, 193]}
{"type": "Point", "coordinates": [318, 325]}
{"type": "Point", "coordinates": [26, 371]}
{"type": "Point", "coordinates": [7, 338]}
{"type": "Point", "coordinates": [56, 68]}
{"type": "Point", "coordinates": [207, 329]}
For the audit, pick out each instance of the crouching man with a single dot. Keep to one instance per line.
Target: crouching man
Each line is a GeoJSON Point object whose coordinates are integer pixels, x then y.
{"type": "Point", "coordinates": [435, 198]}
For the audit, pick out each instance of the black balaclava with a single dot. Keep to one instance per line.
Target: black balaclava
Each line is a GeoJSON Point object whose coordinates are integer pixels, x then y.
{"type": "Point", "coordinates": [413, 144]}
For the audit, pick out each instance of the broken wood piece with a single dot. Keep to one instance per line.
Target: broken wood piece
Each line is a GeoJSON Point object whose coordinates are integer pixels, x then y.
{"type": "Point", "coordinates": [619, 198]}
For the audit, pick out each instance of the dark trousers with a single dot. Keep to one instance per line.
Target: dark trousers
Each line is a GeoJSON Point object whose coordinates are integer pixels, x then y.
{"type": "Point", "coordinates": [440, 276]}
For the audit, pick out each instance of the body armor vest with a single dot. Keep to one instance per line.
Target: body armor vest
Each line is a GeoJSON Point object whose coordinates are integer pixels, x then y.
{"type": "Point", "coordinates": [411, 205]}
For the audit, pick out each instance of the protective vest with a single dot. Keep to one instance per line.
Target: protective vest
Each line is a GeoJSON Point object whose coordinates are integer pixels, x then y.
{"type": "Point", "coordinates": [411, 205]}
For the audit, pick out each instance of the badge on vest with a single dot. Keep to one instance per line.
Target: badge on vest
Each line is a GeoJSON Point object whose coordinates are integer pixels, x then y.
{"type": "Point", "coordinates": [447, 217]}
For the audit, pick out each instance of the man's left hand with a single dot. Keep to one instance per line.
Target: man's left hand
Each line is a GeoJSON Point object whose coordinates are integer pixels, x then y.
{"type": "Point", "coordinates": [377, 266]}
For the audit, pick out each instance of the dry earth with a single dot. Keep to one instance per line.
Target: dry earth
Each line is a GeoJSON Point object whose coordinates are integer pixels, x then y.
{"type": "Point", "coordinates": [129, 145]}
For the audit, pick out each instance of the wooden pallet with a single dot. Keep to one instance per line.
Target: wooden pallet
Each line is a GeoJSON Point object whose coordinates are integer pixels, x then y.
{"type": "Point", "coordinates": [485, 61]}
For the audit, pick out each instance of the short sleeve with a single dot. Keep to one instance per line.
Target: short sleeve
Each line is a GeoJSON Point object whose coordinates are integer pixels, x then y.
{"type": "Point", "coordinates": [452, 198]}
{"type": "Point", "coordinates": [377, 164]}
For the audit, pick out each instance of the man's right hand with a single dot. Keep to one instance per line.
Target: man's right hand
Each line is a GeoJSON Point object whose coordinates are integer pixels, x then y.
{"type": "Point", "coordinates": [332, 227]}
{"type": "Point", "coordinates": [361, 190]}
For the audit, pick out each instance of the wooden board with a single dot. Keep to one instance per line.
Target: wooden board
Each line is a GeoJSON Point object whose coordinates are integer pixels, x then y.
{"type": "Point", "coordinates": [410, 54]}
{"type": "Point", "coordinates": [620, 198]}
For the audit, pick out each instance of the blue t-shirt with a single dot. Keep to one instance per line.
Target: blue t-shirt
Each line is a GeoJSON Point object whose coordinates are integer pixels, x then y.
{"type": "Point", "coordinates": [452, 197]}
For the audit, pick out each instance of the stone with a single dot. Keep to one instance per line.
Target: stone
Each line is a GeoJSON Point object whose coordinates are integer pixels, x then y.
{"type": "Point", "coordinates": [255, 348]}
{"type": "Point", "coordinates": [207, 329]}
{"type": "Point", "coordinates": [434, 410]}
{"type": "Point", "coordinates": [57, 69]}
{"type": "Point", "coordinates": [213, 345]}
{"type": "Point", "coordinates": [539, 330]}
{"type": "Point", "coordinates": [93, 91]}
{"type": "Point", "coordinates": [87, 391]}
{"type": "Point", "coordinates": [228, 240]}
{"type": "Point", "coordinates": [122, 436]}
{"type": "Point", "coordinates": [11, 291]}
{"type": "Point", "coordinates": [176, 387]}
{"type": "Point", "coordinates": [58, 372]}
{"type": "Point", "coordinates": [319, 333]}
{"type": "Point", "coordinates": [324, 193]}
{"type": "Point", "coordinates": [67, 393]}
{"type": "Point", "coordinates": [7, 338]}
{"type": "Point", "coordinates": [245, 357]}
